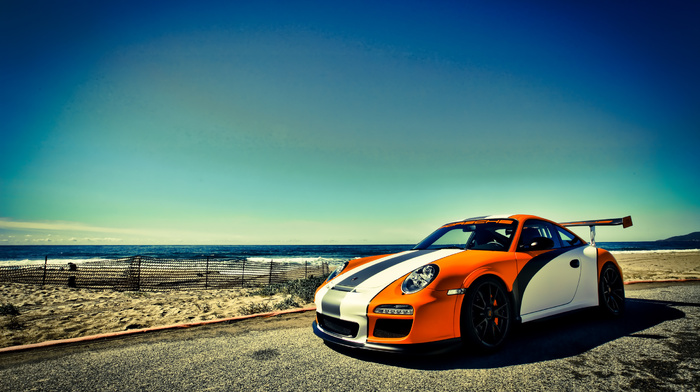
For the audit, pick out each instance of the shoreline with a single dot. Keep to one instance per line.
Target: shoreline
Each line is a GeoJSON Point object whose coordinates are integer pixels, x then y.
{"type": "Point", "coordinates": [313, 261]}
{"type": "Point", "coordinates": [58, 312]}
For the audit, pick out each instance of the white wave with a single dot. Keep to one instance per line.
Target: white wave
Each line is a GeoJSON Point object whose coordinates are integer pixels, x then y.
{"type": "Point", "coordinates": [297, 260]}
{"type": "Point", "coordinates": [55, 262]}
{"type": "Point", "coordinates": [313, 261]}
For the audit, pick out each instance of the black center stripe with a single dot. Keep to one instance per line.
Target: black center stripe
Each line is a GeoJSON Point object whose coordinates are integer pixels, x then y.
{"type": "Point", "coordinates": [331, 302]}
{"type": "Point", "coordinates": [355, 279]}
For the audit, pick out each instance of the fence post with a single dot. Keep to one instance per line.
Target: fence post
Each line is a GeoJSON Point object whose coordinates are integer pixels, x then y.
{"type": "Point", "coordinates": [206, 276]}
{"type": "Point", "coordinates": [138, 269]}
{"type": "Point", "coordinates": [270, 281]}
{"type": "Point", "coordinates": [306, 269]}
{"type": "Point", "coordinates": [46, 260]}
{"type": "Point", "coordinates": [243, 273]}
{"type": "Point", "coordinates": [71, 278]}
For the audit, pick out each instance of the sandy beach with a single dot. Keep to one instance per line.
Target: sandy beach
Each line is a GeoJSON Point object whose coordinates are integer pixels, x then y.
{"type": "Point", "coordinates": [659, 265]}
{"type": "Point", "coordinates": [52, 312]}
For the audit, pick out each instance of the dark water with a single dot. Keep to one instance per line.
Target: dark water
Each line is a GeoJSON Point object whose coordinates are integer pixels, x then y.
{"type": "Point", "coordinates": [30, 254]}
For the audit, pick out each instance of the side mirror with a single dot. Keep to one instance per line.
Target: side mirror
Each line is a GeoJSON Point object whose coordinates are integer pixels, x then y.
{"type": "Point", "coordinates": [541, 243]}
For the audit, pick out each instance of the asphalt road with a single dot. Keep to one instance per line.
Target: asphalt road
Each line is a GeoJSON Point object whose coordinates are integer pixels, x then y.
{"type": "Point", "coordinates": [655, 346]}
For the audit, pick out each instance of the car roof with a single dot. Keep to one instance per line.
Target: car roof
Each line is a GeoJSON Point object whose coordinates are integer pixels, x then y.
{"type": "Point", "coordinates": [499, 216]}
{"type": "Point", "coordinates": [518, 217]}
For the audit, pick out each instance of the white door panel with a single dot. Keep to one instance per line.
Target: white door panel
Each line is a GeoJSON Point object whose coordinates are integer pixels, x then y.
{"type": "Point", "coordinates": [552, 281]}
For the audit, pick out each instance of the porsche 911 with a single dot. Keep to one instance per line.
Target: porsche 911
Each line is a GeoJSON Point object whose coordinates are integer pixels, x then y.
{"type": "Point", "coordinates": [470, 282]}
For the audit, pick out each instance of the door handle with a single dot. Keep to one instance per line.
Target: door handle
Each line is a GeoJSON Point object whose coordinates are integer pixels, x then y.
{"type": "Point", "coordinates": [575, 263]}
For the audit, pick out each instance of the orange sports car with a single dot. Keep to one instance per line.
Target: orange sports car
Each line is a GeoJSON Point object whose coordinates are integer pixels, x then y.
{"type": "Point", "coordinates": [469, 281]}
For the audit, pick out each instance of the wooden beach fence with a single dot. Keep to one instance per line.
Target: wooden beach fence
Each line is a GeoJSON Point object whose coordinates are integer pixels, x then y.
{"type": "Point", "coordinates": [142, 273]}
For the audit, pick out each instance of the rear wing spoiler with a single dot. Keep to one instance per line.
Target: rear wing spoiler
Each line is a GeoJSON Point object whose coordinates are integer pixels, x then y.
{"type": "Point", "coordinates": [625, 222]}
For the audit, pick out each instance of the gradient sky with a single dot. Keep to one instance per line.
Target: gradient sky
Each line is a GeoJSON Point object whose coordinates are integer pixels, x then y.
{"type": "Point", "coordinates": [343, 122]}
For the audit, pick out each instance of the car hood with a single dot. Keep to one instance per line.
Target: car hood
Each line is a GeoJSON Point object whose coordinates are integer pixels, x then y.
{"type": "Point", "coordinates": [382, 272]}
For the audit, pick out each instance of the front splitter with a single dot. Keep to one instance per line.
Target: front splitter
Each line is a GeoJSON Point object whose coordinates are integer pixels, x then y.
{"type": "Point", "coordinates": [416, 348]}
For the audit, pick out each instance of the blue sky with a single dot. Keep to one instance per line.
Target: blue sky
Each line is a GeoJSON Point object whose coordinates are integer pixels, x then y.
{"type": "Point", "coordinates": [343, 122]}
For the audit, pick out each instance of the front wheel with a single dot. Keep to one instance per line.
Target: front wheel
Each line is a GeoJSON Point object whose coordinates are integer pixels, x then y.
{"type": "Point", "coordinates": [486, 315]}
{"type": "Point", "coordinates": [611, 291]}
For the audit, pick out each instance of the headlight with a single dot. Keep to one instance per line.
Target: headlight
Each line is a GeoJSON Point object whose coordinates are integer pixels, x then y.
{"type": "Point", "coordinates": [419, 279]}
{"type": "Point", "coordinates": [337, 271]}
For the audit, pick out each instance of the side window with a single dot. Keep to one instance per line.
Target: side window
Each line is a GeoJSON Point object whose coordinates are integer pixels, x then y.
{"type": "Point", "coordinates": [537, 235]}
{"type": "Point", "coordinates": [568, 239]}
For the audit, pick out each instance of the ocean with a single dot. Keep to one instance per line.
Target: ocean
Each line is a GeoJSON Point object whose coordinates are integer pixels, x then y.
{"type": "Point", "coordinates": [331, 254]}
{"type": "Point", "coordinates": [312, 254]}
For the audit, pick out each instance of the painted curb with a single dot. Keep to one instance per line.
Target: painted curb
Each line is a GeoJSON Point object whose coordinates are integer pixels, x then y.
{"type": "Point", "coordinates": [53, 343]}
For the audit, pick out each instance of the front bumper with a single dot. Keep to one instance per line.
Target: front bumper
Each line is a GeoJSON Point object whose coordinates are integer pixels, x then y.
{"type": "Point", "coordinates": [416, 348]}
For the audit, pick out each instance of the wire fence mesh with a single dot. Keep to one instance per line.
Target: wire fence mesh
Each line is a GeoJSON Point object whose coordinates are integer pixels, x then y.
{"type": "Point", "coordinates": [142, 273]}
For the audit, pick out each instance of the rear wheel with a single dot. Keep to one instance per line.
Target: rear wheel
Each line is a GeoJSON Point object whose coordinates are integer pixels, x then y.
{"type": "Point", "coordinates": [611, 291]}
{"type": "Point", "coordinates": [486, 315]}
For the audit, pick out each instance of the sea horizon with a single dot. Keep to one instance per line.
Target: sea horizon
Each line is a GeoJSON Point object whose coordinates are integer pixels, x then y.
{"type": "Point", "coordinates": [331, 254]}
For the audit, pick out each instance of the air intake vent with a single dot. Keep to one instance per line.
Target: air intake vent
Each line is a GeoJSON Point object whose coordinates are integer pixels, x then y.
{"type": "Point", "coordinates": [338, 326]}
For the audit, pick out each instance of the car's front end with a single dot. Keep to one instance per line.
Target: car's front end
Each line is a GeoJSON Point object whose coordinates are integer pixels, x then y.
{"type": "Point", "coordinates": [412, 300]}
{"type": "Point", "coordinates": [392, 310]}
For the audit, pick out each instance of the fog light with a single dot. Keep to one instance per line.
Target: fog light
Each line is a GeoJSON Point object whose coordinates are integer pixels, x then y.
{"type": "Point", "coordinates": [394, 309]}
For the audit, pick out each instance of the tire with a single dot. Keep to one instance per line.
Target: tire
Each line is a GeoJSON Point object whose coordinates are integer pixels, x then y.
{"type": "Point", "coordinates": [611, 291]}
{"type": "Point", "coordinates": [487, 315]}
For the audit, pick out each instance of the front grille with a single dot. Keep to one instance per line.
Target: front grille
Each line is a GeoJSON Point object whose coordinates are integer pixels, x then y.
{"type": "Point", "coordinates": [336, 325]}
{"type": "Point", "coordinates": [390, 328]}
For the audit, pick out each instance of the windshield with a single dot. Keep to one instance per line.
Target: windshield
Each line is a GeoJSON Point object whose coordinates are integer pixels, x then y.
{"type": "Point", "coordinates": [493, 235]}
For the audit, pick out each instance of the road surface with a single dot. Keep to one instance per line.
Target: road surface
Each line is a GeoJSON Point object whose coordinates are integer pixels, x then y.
{"type": "Point", "coordinates": [655, 346]}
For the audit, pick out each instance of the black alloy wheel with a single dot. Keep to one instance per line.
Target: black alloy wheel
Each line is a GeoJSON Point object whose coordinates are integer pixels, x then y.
{"type": "Point", "coordinates": [486, 315]}
{"type": "Point", "coordinates": [611, 291]}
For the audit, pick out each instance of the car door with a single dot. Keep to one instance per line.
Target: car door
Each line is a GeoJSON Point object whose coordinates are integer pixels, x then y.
{"type": "Point", "coordinates": [549, 272]}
